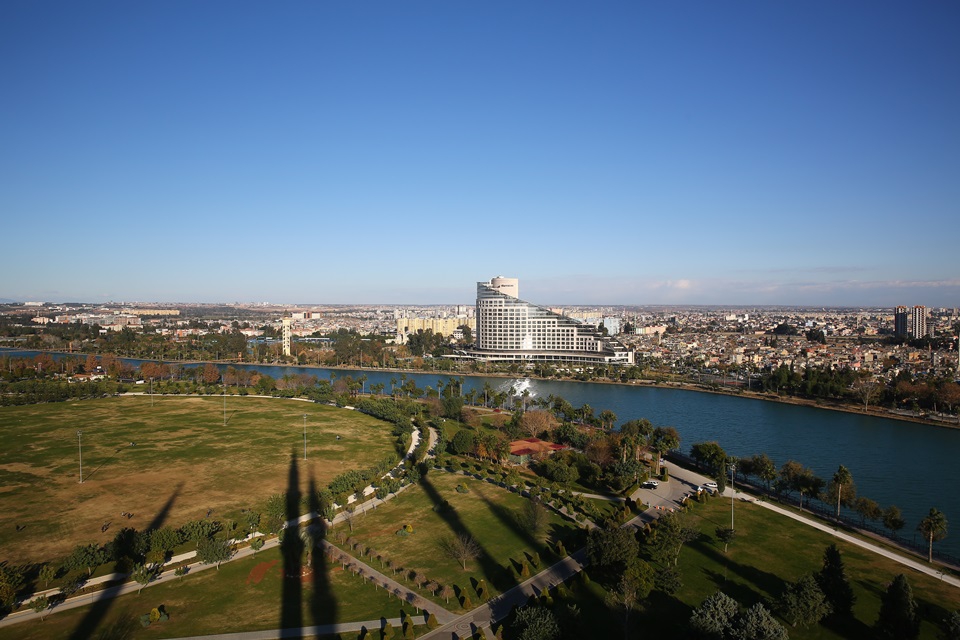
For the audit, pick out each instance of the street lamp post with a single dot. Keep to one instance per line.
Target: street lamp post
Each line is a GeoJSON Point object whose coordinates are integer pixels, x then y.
{"type": "Point", "coordinates": [80, 449]}
{"type": "Point", "coordinates": [304, 436]}
{"type": "Point", "coordinates": [733, 492]}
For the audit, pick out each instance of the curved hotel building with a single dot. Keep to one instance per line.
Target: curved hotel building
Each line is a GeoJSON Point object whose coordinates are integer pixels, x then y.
{"type": "Point", "coordinates": [509, 328]}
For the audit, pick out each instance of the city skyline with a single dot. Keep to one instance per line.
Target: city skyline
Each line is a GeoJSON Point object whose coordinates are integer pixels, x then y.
{"type": "Point", "coordinates": [629, 154]}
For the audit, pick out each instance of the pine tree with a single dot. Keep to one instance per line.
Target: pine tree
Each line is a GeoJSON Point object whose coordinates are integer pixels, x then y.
{"type": "Point", "coordinates": [899, 618]}
{"type": "Point", "coordinates": [832, 580]}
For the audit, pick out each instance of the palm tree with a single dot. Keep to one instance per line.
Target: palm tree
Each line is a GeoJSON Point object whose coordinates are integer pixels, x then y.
{"type": "Point", "coordinates": [840, 478]}
{"type": "Point", "coordinates": [487, 390]}
{"type": "Point", "coordinates": [607, 418]}
{"type": "Point", "coordinates": [933, 527]}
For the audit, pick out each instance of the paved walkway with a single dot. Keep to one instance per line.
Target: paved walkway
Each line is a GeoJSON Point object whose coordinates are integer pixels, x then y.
{"type": "Point", "coordinates": [316, 630]}
{"type": "Point", "coordinates": [864, 544]}
{"type": "Point", "coordinates": [167, 576]}
{"type": "Point", "coordinates": [409, 595]}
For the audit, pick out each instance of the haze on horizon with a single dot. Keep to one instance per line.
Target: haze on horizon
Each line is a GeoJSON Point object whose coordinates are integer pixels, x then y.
{"type": "Point", "coordinates": [625, 153]}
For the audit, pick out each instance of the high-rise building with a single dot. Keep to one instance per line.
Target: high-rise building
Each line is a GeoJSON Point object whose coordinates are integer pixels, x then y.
{"type": "Point", "coordinates": [287, 334]}
{"type": "Point", "coordinates": [919, 323]}
{"type": "Point", "coordinates": [901, 322]}
{"type": "Point", "coordinates": [509, 328]}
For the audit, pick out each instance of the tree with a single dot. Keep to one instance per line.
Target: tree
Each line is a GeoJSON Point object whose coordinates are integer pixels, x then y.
{"type": "Point", "coordinates": [608, 419]}
{"type": "Point", "coordinates": [756, 623]}
{"type": "Point", "coordinates": [833, 582]}
{"type": "Point", "coordinates": [635, 585]}
{"type": "Point", "coordinates": [795, 477]}
{"type": "Point", "coordinates": [535, 623]}
{"type": "Point", "coordinates": [89, 557]}
{"type": "Point", "coordinates": [182, 571]}
{"type": "Point", "coordinates": [47, 573]}
{"type": "Point", "coordinates": [256, 544]}
{"type": "Point", "coordinates": [40, 605]}
{"type": "Point", "coordinates": [143, 574]}
{"type": "Point", "coordinates": [463, 442]}
{"type": "Point", "coordinates": [461, 547]}
{"type": "Point", "coordinates": [446, 592]}
{"type": "Point", "coordinates": [533, 517]}
{"type": "Point", "coordinates": [803, 603]}
{"type": "Point", "coordinates": [867, 509]}
{"type": "Point", "coordinates": [951, 627]}
{"type": "Point", "coordinates": [867, 388]}
{"type": "Point", "coordinates": [662, 440]}
{"type": "Point", "coordinates": [709, 455]}
{"type": "Point", "coordinates": [537, 422]}
{"type": "Point", "coordinates": [213, 551]}
{"type": "Point", "coordinates": [611, 547]}
{"type": "Point", "coordinates": [726, 536]}
{"type": "Point", "coordinates": [714, 617]}
{"type": "Point", "coordinates": [672, 531]}
{"type": "Point", "coordinates": [933, 528]}
{"type": "Point", "coordinates": [842, 478]}
{"type": "Point", "coordinates": [893, 519]}
{"type": "Point", "coordinates": [899, 617]}
{"type": "Point", "coordinates": [762, 467]}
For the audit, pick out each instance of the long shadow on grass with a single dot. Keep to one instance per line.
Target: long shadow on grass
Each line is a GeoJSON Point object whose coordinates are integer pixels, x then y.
{"type": "Point", "coordinates": [291, 548]}
{"type": "Point", "coordinates": [496, 574]}
{"type": "Point", "coordinates": [323, 606]}
{"type": "Point", "coordinates": [511, 520]}
{"type": "Point", "coordinates": [98, 610]}
{"type": "Point", "coordinates": [762, 581]}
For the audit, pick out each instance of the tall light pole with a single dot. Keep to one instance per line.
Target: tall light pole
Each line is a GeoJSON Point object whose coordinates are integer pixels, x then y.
{"type": "Point", "coordinates": [733, 466]}
{"type": "Point", "coordinates": [224, 403]}
{"type": "Point", "coordinates": [304, 436]}
{"type": "Point", "coordinates": [80, 448]}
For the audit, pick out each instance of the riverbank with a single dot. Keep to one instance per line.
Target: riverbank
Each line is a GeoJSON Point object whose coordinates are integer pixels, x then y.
{"type": "Point", "coordinates": [738, 392]}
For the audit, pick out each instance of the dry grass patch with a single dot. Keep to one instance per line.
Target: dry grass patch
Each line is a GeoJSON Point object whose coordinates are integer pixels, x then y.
{"type": "Point", "coordinates": [184, 462]}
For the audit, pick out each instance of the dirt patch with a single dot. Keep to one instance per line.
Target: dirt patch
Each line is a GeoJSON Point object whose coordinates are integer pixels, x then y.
{"type": "Point", "coordinates": [260, 571]}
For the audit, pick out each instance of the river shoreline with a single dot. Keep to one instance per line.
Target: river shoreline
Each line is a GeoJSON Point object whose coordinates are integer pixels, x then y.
{"type": "Point", "coordinates": [683, 386]}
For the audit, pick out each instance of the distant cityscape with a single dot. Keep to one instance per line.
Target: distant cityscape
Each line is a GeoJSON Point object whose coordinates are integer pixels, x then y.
{"type": "Point", "coordinates": [501, 327]}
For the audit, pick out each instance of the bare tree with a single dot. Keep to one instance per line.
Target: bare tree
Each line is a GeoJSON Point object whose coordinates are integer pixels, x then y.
{"type": "Point", "coordinates": [867, 389]}
{"type": "Point", "coordinates": [461, 547]}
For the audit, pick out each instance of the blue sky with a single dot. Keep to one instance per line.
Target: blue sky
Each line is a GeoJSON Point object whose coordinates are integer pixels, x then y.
{"type": "Point", "coordinates": [741, 153]}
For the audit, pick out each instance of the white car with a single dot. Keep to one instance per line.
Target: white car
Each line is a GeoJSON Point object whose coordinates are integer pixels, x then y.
{"type": "Point", "coordinates": [651, 484]}
{"type": "Point", "coordinates": [710, 485]}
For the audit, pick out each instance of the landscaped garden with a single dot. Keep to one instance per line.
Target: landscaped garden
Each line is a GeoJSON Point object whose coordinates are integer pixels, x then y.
{"type": "Point", "coordinates": [244, 595]}
{"type": "Point", "coordinates": [413, 534]}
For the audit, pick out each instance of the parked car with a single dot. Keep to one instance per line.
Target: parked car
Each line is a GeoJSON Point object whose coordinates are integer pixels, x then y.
{"type": "Point", "coordinates": [710, 485]}
{"type": "Point", "coordinates": [650, 484]}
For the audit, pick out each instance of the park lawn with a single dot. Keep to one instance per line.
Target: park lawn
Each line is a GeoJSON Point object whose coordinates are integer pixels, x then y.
{"type": "Point", "coordinates": [771, 550]}
{"type": "Point", "coordinates": [244, 595]}
{"type": "Point", "coordinates": [485, 512]}
{"type": "Point", "coordinates": [184, 463]}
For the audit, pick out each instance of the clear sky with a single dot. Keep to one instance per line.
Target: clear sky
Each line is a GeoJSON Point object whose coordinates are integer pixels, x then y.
{"type": "Point", "coordinates": [637, 152]}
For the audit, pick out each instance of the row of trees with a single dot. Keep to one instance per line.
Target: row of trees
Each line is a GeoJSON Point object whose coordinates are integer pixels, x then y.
{"type": "Point", "coordinates": [837, 492]}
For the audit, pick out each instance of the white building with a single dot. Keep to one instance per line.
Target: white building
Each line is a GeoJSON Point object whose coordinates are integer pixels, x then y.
{"type": "Point", "coordinates": [509, 328]}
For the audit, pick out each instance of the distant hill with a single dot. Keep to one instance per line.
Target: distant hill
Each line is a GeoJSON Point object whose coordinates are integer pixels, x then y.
{"type": "Point", "coordinates": [8, 301]}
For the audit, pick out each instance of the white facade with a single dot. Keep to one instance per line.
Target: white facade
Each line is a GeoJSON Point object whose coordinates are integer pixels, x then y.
{"type": "Point", "coordinates": [511, 329]}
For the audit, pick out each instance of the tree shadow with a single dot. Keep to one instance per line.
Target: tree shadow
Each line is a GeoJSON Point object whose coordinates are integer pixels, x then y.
{"type": "Point", "coordinates": [323, 605]}
{"type": "Point", "coordinates": [291, 549]}
{"type": "Point", "coordinates": [100, 607]}
{"type": "Point", "coordinates": [496, 574]}
{"type": "Point", "coordinates": [763, 581]}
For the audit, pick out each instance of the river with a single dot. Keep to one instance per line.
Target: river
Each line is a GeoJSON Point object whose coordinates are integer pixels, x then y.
{"type": "Point", "coordinates": [893, 462]}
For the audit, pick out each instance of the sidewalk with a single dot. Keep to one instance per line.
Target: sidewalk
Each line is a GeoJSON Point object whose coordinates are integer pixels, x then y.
{"type": "Point", "coordinates": [896, 557]}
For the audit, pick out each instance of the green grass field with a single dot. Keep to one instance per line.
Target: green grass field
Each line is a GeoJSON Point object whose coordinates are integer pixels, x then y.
{"type": "Point", "coordinates": [486, 512]}
{"type": "Point", "coordinates": [185, 461]}
{"type": "Point", "coordinates": [242, 596]}
{"type": "Point", "coordinates": [769, 551]}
